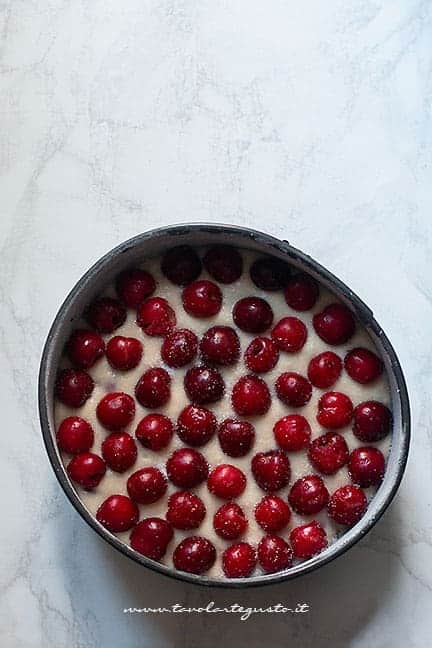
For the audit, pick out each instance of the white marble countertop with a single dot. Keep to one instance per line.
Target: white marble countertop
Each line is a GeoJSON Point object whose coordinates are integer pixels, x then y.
{"type": "Point", "coordinates": [309, 120]}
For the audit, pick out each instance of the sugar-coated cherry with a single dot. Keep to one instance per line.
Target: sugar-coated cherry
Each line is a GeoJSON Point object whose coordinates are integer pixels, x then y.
{"type": "Point", "coordinates": [261, 355]}
{"type": "Point", "coordinates": [239, 560]}
{"type": "Point", "coordinates": [204, 384]}
{"type": "Point", "coordinates": [155, 431]}
{"type": "Point", "coordinates": [220, 345]}
{"type": "Point", "coordinates": [73, 387]}
{"type": "Point", "coordinates": [86, 469]}
{"type": "Point", "coordinates": [250, 396]}
{"type": "Point", "coordinates": [335, 410]}
{"type": "Point", "coordinates": [118, 513]}
{"type": "Point", "coordinates": [292, 432]}
{"type": "Point", "coordinates": [196, 425]}
{"type": "Point", "coordinates": [134, 286]}
{"type": "Point", "coordinates": [293, 389]}
{"type": "Point", "coordinates": [272, 513]}
{"type": "Point", "coordinates": [236, 437]}
{"type": "Point", "coordinates": [115, 410]}
{"type": "Point", "coordinates": [308, 540]}
{"type": "Point", "coordinates": [347, 505]}
{"type": "Point", "coordinates": [328, 453]}
{"type": "Point", "coordinates": [274, 554]}
{"type": "Point", "coordinates": [194, 555]}
{"type": "Point", "coordinates": [223, 263]}
{"type": "Point", "coordinates": [119, 451]}
{"type": "Point", "coordinates": [151, 537]}
{"type": "Point", "coordinates": [202, 299]}
{"type": "Point", "coordinates": [124, 353]}
{"type": "Point", "coordinates": [147, 485]}
{"type": "Point", "coordinates": [366, 466]}
{"type": "Point", "coordinates": [271, 470]}
{"type": "Point", "coordinates": [230, 521]}
{"type": "Point", "coordinates": [185, 510]}
{"type": "Point", "coordinates": [106, 314]}
{"type": "Point", "coordinates": [289, 334]}
{"type": "Point", "coordinates": [181, 265]}
{"type": "Point", "coordinates": [372, 421]}
{"type": "Point", "coordinates": [301, 292]}
{"type": "Point", "coordinates": [324, 369]}
{"type": "Point", "coordinates": [75, 435]}
{"type": "Point", "coordinates": [179, 348]}
{"type": "Point", "coordinates": [269, 273]}
{"type": "Point", "coordinates": [226, 481]}
{"type": "Point", "coordinates": [253, 314]}
{"type": "Point", "coordinates": [84, 348]}
{"type": "Point", "coordinates": [363, 365]}
{"type": "Point", "coordinates": [186, 468]}
{"type": "Point", "coordinates": [156, 317]}
{"type": "Point", "coordinates": [335, 324]}
{"type": "Point", "coordinates": [153, 389]}
{"type": "Point", "coordinates": [308, 495]}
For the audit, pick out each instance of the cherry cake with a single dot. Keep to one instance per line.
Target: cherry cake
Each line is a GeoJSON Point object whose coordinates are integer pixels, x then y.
{"type": "Point", "coordinates": [222, 413]}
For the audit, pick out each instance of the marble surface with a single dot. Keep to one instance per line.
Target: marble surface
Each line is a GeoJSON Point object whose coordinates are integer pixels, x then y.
{"type": "Point", "coordinates": [309, 120]}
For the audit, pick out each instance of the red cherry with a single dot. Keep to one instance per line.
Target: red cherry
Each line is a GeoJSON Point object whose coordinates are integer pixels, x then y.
{"type": "Point", "coordinates": [194, 555]}
{"type": "Point", "coordinates": [289, 334]}
{"type": "Point", "coordinates": [226, 481]}
{"type": "Point", "coordinates": [124, 353]}
{"type": "Point", "coordinates": [73, 387]}
{"type": "Point", "coordinates": [293, 389]}
{"type": "Point", "coordinates": [308, 540]}
{"type": "Point", "coordinates": [328, 453]}
{"type": "Point", "coordinates": [223, 263]}
{"type": "Point", "coordinates": [86, 469]}
{"type": "Point", "coordinates": [179, 348]}
{"type": "Point", "coordinates": [239, 560]}
{"type": "Point", "coordinates": [153, 389]}
{"type": "Point", "coordinates": [119, 451]}
{"type": "Point", "coordinates": [204, 385]}
{"type": "Point", "coordinates": [335, 324]}
{"type": "Point", "coordinates": [134, 286]}
{"type": "Point", "coordinates": [372, 421]}
{"type": "Point", "coordinates": [324, 369]}
{"type": "Point", "coordinates": [272, 513]}
{"type": "Point", "coordinates": [196, 425]}
{"type": "Point", "coordinates": [185, 510]}
{"type": "Point", "coordinates": [274, 554]}
{"type": "Point", "coordinates": [75, 435]}
{"type": "Point", "coordinates": [253, 315]}
{"type": "Point", "coordinates": [84, 348]}
{"type": "Point", "coordinates": [269, 273]}
{"type": "Point", "coordinates": [363, 365]}
{"type": "Point", "coordinates": [187, 468]}
{"type": "Point", "coordinates": [220, 345]}
{"type": "Point", "coordinates": [347, 505]}
{"type": "Point", "coordinates": [366, 466]}
{"type": "Point", "coordinates": [156, 317]}
{"type": "Point", "coordinates": [301, 292]}
{"type": "Point", "coordinates": [229, 521]}
{"type": "Point", "coordinates": [261, 355]}
{"type": "Point", "coordinates": [146, 485]}
{"type": "Point", "coordinates": [202, 299]}
{"type": "Point", "coordinates": [116, 410]}
{"type": "Point", "coordinates": [106, 314]}
{"type": "Point", "coordinates": [251, 396]}
{"type": "Point", "coordinates": [308, 495]}
{"type": "Point", "coordinates": [271, 470]}
{"type": "Point", "coordinates": [181, 265]}
{"type": "Point", "coordinates": [292, 432]}
{"type": "Point", "coordinates": [236, 437]}
{"type": "Point", "coordinates": [154, 431]}
{"type": "Point", "coordinates": [118, 513]}
{"type": "Point", "coordinates": [151, 537]}
{"type": "Point", "coordinates": [335, 410]}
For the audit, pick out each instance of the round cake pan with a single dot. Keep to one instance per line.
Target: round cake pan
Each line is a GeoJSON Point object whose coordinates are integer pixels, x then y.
{"type": "Point", "coordinates": [135, 251]}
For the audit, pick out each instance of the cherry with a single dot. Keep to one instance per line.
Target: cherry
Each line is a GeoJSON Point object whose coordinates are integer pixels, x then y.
{"type": "Point", "coordinates": [156, 317]}
{"type": "Point", "coordinates": [204, 385]}
{"type": "Point", "coordinates": [124, 353]}
{"type": "Point", "coordinates": [155, 431]}
{"type": "Point", "coordinates": [75, 435]}
{"type": "Point", "coordinates": [347, 505]}
{"type": "Point", "coordinates": [366, 466]}
{"type": "Point", "coordinates": [118, 513]}
{"type": "Point", "coordinates": [119, 451]}
{"type": "Point", "coordinates": [269, 273]}
{"type": "Point", "coordinates": [223, 263]}
{"type": "Point", "coordinates": [181, 265]}
{"type": "Point", "coordinates": [292, 432]}
{"type": "Point", "coordinates": [239, 560]}
{"type": "Point", "coordinates": [153, 389]}
{"type": "Point", "coordinates": [271, 470]}
{"type": "Point", "coordinates": [226, 481]}
{"type": "Point", "coordinates": [274, 554]}
{"type": "Point", "coordinates": [335, 410]}
{"type": "Point", "coordinates": [301, 292]}
{"type": "Point", "coordinates": [106, 314]}
{"type": "Point", "coordinates": [194, 555]}
{"type": "Point", "coordinates": [253, 314]}
{"type": "Point", "coordinates": [308, 495]}
{"type": "Point", "coordinates": [229, 521]}
{"type": "Point", "coordinates": [308, 540]}
{"type": "Point", "coordinates": [324, 369]}
{"type": "Point", "coordinates": [202, 299]}
{"type": "Point", "coordinates": [220, 345]}
{"type": "Point", "coordinates": [134, 286]}
{"type": "Point", "coordinates": [185, 510]}
{"type": "Point", "coordinates": [116, 410]}
{"type": "Point", "coordinates": [187, 468]}
{"type": "Point", "coordinates": [328, 453]}
{"type": "Point", "coordinates": [73, 387]}
{"type": "Point", "coordinates": [372, 421]}
{"type": "Point", "coordinates": [86, 469]}
{"type": "Point", "coordinates": [293, 389]}
{"type": "Point", "coordinates": [179, 348]}
{"type": "Point", "coordinates": [196, 425]}
{"type": "Point", "coordinates": [261, 355]}
{"type": "Point", "coordinates": [151, 537]}
{"type": "Point", "coordinates": [272, 513]}
{"type": "Point", "coordinates": [147, 485]}
{"type": "Point", "coordinates": [84, 348]}
{"type": "Point", "coordinates": [289, 334]}
{"type": "Point", "coordinates": [363, 365]}
{"type": "Point", "coordinates": [251, 396]}
{"type": "Point", "coordinates": [335, 324]}
{"type": "Point", "coordinates": [236, 437]}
